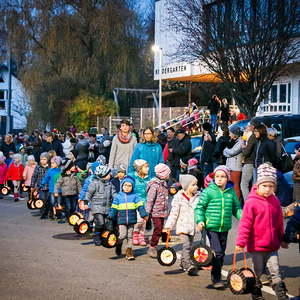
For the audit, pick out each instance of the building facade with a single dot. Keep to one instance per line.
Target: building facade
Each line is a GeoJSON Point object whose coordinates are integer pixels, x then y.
{"type": "Point", "coordinates": [284, 96]}
{"type": "Point", "coordinates": [20, 105]}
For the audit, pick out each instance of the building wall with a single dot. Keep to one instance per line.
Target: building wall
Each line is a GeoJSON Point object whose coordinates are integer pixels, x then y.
{"type": "Point", "coordinates": [20, 106]}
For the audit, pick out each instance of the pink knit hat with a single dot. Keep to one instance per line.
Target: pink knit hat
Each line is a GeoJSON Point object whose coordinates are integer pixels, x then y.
{"type": "Point", "coordinates": [162, 170]}
{"type": "Point", "coordinates": [224, 169]}
{"type": "Point", "coordinates": [192, 162]}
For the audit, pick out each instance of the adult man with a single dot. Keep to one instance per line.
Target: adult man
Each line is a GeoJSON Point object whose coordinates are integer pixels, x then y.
{"type": "Point", "coordinates": [247, 152]}
{"type": "Point", "coordinates": [82, 147]}
{"type": "Point", "coordinates": [8, 145]}
{"type": "Point", "coordinates": [168, 155]}
{"type": "Point", "coordinates": [94, 147]}
{"type": "Point", "coordinates": [122, 146]}
{"type": "Point", "coordinates": [181, 150]}
{"type": "Point", "coordinates": [52, 143]}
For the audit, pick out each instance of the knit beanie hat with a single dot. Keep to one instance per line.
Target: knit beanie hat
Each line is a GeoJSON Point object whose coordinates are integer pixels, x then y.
{"type": "Point", "coordinates": [121, 169]}
{"type": "Point", "coordinates": [192, 162]}
{"type": "Point", "coordinates": [17, 156]}
{"type": "Point", "coordinates": [162, 170]}
{"type": "Point", "coordinates": [45, 155]}
{"type": "Point", "coordinates": [266, 173]}
{"type": "Point", "coordinates": [102, 171]}
{"type": "Point", "coordinates": [101, 159]}
{"type": "Point", "coordinates": [57, 160]}
{"type": "Point", "coordinates": [138, 164]}
{"type": "Point", "coordinates": [237, 131]}
{"type": "Point", "coordinates": [224, 169]}
{"type": "Point", "coordinates": [183, 162]}
{"type": "Point", "coordinates": [30, 157]}
{"type": "Point", "coordinates": [67, 165]}
{"type": "Point", "coordinates": [185, 180]}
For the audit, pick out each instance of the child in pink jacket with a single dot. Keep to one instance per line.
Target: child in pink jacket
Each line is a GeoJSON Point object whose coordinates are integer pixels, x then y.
{"type": "Point", "coordinates": [261, 230]}
{"type": "Point", "coordinates": [3, 170]}
{"type": "Point", "coordinates": [28, 171]}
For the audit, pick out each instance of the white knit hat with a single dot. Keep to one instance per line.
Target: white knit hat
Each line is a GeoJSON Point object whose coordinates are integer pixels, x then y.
{"type": "Point", "coordinates": [185, 180]}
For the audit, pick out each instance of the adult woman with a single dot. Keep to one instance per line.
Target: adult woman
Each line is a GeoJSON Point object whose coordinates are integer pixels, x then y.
{"type": "Point", "coordinates": [149, 150]}
{"type": "Point", "coordinates": [264, 151]}
{"type": "Point", "coordinates": [234, 158]}
{"type": "Point", "coordinates": [225, 111]}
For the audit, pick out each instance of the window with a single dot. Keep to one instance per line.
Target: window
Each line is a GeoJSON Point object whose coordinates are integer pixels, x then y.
{"type": "Point", "coordinates": [2, 95]}
{"type": "Point", "coordinates": [1, 79]}
{"type": "Point", "coordinates": [274, 94]}
{"type": "Point", "coordinates": [2, 99]}
{"type": "Point", "coordinates": [283, 94]}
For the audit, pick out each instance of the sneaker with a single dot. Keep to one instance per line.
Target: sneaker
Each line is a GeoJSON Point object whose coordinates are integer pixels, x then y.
{"type": "Point", "coordinates": [16, 199]}
{"type": "Point", "coordinates": [265, 279]}
{"type": "Point", "coordinates": [218, 285]}
{"type": "Point", "coordinates": [43, 217]}
{"type": "Point", "coordinates": [152, 252]}
{"type": "Point", "coordinates": [97, 240]}
{"type": "Point", "coordinates": [129, 254]}
{"type": "Point", "coordinates": [118, 249]}
{"type": "Point", "coordinates": [142, 241]}
{"type": "Point", "coordinates": [192, 271]}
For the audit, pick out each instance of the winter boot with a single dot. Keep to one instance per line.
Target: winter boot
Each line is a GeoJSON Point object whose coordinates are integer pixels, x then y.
{"type": "Point", "coordinates": [118, 249]}
{"type": "Point", "coordinates": [96, 239]}
{"type": "Point", "coordinates": [152, 252]}
{"type": "Point", "coordinates": [129, 254]}
{"type": "Point", "coordinates": [135, 238]}
{"type": "Point", "coordinates": [142, 240]}
{"type": "Point", "coordinates": [280, 291]}
{"type": "Point", "coordinates": [257, 294]}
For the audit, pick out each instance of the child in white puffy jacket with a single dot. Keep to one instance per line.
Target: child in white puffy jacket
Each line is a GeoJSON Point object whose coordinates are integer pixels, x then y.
{"type": "Point", "coordinates": [182, 214]}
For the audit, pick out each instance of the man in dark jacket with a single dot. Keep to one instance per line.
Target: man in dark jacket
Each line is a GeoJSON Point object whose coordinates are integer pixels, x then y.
{"type": "Point", "coordinates": [181, 150]}
{"type": "Point", "coordinates": [8, 145]}
{"type": "Point", "coordinates": [208, 148]}
{"type": "Point", "coordinates": [52, 143]}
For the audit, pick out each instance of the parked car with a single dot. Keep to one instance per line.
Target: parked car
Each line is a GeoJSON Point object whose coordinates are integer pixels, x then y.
{"type": "Point", "coordinates": [286, 125]}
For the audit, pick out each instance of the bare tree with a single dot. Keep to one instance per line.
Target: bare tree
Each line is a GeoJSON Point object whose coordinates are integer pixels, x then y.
{"type": "Point", "coordinates": [247, 43]}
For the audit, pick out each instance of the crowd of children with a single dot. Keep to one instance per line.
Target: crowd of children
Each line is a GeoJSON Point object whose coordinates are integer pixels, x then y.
{"type": "Point", "coordinates": [111, 199]}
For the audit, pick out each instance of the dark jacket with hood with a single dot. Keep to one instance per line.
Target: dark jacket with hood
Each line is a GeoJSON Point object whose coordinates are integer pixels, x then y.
{"type": "Point", "coordinates": [182, 150]}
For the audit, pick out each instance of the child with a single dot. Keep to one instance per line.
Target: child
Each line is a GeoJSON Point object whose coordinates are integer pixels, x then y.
{"type": "Point", "coordinates": [24, 155]}
{"type": "Point", "coordinates": [100, 193]}
{"type": "Point", "coordinates": [36, 180]}
{"type": "Point", "coordinates": [49, 180]}
{"type": "Point", "coordinates": [28, 171]}
{"type": "Point", "coordinates": [124, 209]}
{"type": "Point", "coordinates": [296, 179]}
{"type": "Point", "coordinates": [261, 230]}
{"type": "Point", "coordinates": [157, 203]}
{"type": "Point", "coordinates": [70, 187]}
{"type": "Point", "coordinates": [15, 173]}
{"type": "Point", "coordinates": [116, 180]}
{"type": "Point", "coordinates": [141, 179]}
{"type": "Point", "coordinates": [182, 214]}
{"type": "Point", "coordinates": [195, 171]}
{"type": "Point", "coordinates": [216, 205]}
{"type": "Point", "coordinates": [3, 170]}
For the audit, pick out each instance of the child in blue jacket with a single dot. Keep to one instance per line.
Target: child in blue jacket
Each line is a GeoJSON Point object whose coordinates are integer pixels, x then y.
{"type": "Point", "coordinates": [50, 179]}
{"type": "Point", "coordinates": [124, 208]}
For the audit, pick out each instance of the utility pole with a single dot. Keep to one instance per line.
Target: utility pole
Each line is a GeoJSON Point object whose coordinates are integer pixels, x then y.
{"type": "Point", "coordinates": [9, 117]}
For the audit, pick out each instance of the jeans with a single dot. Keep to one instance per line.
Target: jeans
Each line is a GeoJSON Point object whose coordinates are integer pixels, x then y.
{"type": "Point", "coordinates": [247, 174]}
{"type": "Point", "coordinates": [213, 121]}
{"type": "Point", "coordinates": [206, 168]}
{"type": "Point", "coordinates": [261, 260]}
{"type": "Point", "coordinates": [70, 204]}
{"type": "Point", "coordinates": [218, 241]}
{"type": "Point", "coordinates": [55, 200]}
{"type": "Point", "coordinates": [44, 195]}
{"type": "Point", "coordinates": [158, 224]}
{"type": "Point", "coordinates": [99, 220]}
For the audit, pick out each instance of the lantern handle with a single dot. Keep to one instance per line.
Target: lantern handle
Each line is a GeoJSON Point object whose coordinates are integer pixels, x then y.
{"type": "Point", "coordinates": [167, 240]}
{"type": "Point", "coordinates": [234, 260]}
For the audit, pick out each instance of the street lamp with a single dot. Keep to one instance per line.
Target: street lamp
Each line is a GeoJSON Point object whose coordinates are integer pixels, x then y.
{"type": "Point", "coordinates": [155, 49]}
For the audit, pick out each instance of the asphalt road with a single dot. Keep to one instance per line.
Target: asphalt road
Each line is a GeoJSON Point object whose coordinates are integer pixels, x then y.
{"type": "Point", "coordinates": [40, 259]}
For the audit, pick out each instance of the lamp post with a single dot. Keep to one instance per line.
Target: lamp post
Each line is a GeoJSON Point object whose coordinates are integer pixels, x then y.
{"type": "Point", "coordinates": [156, 48]}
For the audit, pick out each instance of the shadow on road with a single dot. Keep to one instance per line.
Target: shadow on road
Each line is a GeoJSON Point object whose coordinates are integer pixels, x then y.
{"type": "Point", "coordinates": [290, 272]}
{"type": "Point", "coordinates": [71, 236]}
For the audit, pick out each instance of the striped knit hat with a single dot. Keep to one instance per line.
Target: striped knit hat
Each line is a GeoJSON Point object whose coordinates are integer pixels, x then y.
{"type": "Point", "coordinates": [266, 173]}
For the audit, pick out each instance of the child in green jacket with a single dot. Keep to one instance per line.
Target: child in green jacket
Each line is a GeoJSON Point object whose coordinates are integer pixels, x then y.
{"type": "Point", "coordinates": [216, 205]}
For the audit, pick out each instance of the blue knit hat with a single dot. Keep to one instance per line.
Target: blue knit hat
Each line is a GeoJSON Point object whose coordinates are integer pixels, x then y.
{"type": "Point", "coordinates": [128, 179]}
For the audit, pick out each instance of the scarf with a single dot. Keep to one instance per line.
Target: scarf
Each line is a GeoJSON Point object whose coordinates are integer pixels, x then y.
{"type": "Point", "coordinates": [124, 139]}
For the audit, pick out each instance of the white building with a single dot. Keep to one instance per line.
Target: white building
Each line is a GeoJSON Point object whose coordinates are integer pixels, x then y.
{"type": "Point", "coordinates": [20, 105]}
{"type": "Point", "coordinates": [284, 96]}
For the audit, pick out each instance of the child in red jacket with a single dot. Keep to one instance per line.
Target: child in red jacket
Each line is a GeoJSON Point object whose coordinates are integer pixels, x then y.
{"type": "Point", "coordinates": [261, 230]}
{"type": "Point", "coordinates": [15, 174]}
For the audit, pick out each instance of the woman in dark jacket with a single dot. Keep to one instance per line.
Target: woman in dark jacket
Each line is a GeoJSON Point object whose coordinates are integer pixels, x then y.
{"type": "Point", "coordinates": [264, 151]}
